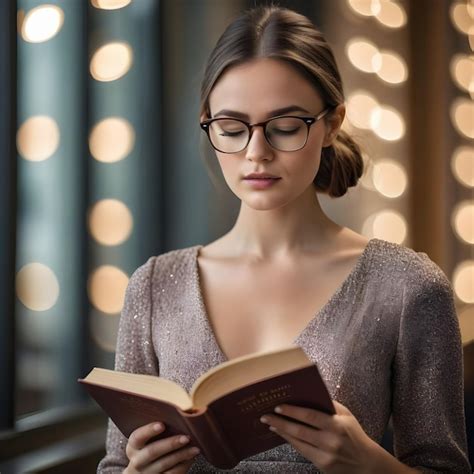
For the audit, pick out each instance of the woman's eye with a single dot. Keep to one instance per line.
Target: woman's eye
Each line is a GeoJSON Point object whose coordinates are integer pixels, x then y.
{"type": "Point", "coordinates": [280, 131]}
{"type": "Point", "coordinates": [228, 133]}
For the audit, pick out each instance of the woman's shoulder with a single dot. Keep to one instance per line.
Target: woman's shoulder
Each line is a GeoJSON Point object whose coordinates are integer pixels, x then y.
{"type": "Point", "coordinates": [173, 262]}
{"type": "Point", "coordinates": [415, 269]}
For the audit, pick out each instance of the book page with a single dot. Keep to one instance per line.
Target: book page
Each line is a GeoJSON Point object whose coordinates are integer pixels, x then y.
{"type": "Point", "coordinates": [147, 385]}
{"type": "Point", "coordinates": [241, 371]}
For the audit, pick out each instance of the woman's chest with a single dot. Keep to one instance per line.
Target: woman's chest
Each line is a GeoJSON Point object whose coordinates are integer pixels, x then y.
{"type": "Point", "coordinates": [264, 310]}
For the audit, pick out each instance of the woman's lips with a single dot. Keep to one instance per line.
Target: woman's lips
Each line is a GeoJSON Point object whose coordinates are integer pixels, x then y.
{"type": "Point", "coordinates": [261, 183]}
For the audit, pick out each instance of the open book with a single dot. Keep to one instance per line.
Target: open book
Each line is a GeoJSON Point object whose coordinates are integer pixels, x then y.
{"type": "Point", "coordinates": [221, 414]}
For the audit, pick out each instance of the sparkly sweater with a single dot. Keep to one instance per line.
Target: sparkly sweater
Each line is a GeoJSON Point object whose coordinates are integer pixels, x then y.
{"type": "Point", "coordinates": [387, 343]}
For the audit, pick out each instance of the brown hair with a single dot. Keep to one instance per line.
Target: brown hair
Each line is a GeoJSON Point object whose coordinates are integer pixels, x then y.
{"type": "Point", "coordinates": [281, 33]}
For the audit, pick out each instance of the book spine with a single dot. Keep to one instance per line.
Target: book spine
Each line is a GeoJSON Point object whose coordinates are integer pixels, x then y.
{"type": "Point", "coordinates": [210, 439]}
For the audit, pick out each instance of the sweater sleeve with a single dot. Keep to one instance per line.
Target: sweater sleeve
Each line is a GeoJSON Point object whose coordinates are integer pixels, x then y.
{"type": "Point", "coordinates": [134, 353]}
{"type": "Point", "coordinates": [428, 387]}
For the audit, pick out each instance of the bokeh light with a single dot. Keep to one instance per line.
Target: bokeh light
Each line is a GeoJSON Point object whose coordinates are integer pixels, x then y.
{"type": "Point", "coordinates": [106, 287]}
{"type": "Point", "coordinates": [462, 71]}
{"type": "Point", "coordinates": [42, 23]}
{"type": "Point", "coordinates": [462, 116]}
{"type": "Point", "coordinates": [463, 281]}
{"type": "Point", "coordinates": [110, 4]}
{"type": "Point", "coordinates": [112, 139]}
{"type": "Point", "coordinates": [111, 61]}
{"type": "Point", "coordinates": [38, 138]}
{"type": "Point", "coordinates": [462, 165]}
{"type": "Point", "coordinates": [387, 225]}
{"type": "Point", "coordinates": [363, 54]}
{"type": "Point", "coordinates": [463, 221]}
{"type": "Point", "coordinates": [110, 222]}
{"type": "Point", "coordinates": [392, 68]}
{"type": "Point", "coordinates": [391, 14]}
{"type": "Point", "coordinates": [37, 286]}
{"type": "Point", "coordinates": [390, 178]}
{"type": "Point", "coordinates": [387, 123]}
{"type": "Point", "coordinates": [365, 7]}
{"type": "Point", "coordinates": [462, 16]}
{"type": "Point", "coordinates": [360, 107]}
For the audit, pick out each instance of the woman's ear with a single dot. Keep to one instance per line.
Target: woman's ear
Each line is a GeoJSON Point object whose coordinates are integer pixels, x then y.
{"type": "Point", "coordinates": [333, 124]}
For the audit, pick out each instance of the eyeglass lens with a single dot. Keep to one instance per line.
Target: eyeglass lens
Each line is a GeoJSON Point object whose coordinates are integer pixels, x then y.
{"type": "Point", "coordinates": [285, 134]}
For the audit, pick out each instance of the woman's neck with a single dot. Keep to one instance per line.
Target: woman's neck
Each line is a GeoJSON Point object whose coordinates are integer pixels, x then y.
{"type": "Point", "coordinates": [297, 228]}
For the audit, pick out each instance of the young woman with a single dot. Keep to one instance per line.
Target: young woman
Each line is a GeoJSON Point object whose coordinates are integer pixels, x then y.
{"type": "Point", "coordinates": [378, 318]}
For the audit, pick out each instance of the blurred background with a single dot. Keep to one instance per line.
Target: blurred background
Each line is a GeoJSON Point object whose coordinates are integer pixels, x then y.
{"type": "Point", "coordinates": [103, 164]}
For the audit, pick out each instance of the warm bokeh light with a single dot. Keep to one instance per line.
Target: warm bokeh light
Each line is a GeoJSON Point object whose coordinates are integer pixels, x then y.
{"type": "Point", "coordinates": [462, 116]}
{"type": "Point", "coordinates": [42, 23]}
{"type": "Point", "coordinates": [37, 286]}
{"type": "Point", "coordinates": [462, 72]}
{"type": "Point", "coordinates": [365, 7]}
{"type": "Point", "coordinates": [387, 225]}
{"type": "Point", "coordinates": [466, 324]}
{"type": "Point", "coordinates": [104, 329]}
{"type": "Point", "coordinates": [462, 165]}
{"type": "Point", "coordinates": [387, 123]}
{"type": "Point", "coordinates": [112, 139]}
{"type": "Point", "coordinates": [37, 138]}
{"type": "Point", "coordinates": [110, 4]}
{"type": "Point", "coordinates": [106, 287]}
{"type": "Point", "coordinates": [363, 54]}
{"type": "Point", "coordinates": [111, 61]}
{"type": "Point", "coordinates": [367, 178]}
{"type": "Point", "coordinates": [463, 281]}
{"type": "Point", "coordinates": [463, 221]}
{"type": "Point", "coordinates": [391, 14]}
{"type": "Point", "coordinates": [393, 68]}
{"type": "Point", "coordinates": [110, 222]}
{"type": "Point", "coordinates": [390, 178]}
{"type": "Point", "coordinates": [462, 16]}
{"type": "Point", "coordinates": [360, 107]}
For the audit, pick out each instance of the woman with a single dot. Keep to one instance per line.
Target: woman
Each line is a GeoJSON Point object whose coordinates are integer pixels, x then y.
{"type": "Point", "coordinates": [378, 318]}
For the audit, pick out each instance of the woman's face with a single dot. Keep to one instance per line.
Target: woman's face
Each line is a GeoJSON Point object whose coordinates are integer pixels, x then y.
{"type": "Point", "coordinates": [251, 91]}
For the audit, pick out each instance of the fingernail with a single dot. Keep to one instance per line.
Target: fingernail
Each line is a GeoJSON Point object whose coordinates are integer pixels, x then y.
{"type": "Point", "coordinates": [157, 426]}
{"type": "Point", "coordinates": [194, 450]}
{"type": "Point", "coordinates": [278, 410]}
{"type": "Point", "coordinates": [183, 439]}
{"type": "Point", "coordinates": [264, 419]}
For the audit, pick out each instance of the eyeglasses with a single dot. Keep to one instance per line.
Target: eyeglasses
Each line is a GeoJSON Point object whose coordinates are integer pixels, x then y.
{"type": "Point", "coordinates": [285, 133]}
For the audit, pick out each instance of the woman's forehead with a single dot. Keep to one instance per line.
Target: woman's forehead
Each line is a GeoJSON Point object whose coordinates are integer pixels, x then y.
{"type": "Point", "coordinates": [264, 83]}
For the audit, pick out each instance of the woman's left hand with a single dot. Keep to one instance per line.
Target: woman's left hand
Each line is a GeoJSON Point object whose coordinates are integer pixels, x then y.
{"type": "Point", "coordinates": [333, 443]}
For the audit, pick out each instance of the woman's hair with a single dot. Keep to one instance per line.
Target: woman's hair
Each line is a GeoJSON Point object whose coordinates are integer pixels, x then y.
{"type": "Point", "coordinates": [280, 33]}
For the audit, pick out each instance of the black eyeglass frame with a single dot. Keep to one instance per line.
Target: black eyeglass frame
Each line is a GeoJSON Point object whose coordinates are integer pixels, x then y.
{"type": "Point", "coordinates": [308, 120]}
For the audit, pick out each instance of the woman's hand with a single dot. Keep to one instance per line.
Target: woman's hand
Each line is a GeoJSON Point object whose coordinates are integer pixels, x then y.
{"type": "Point", "coordinates": [164, 455]}
{"type": "Point", "coordinates": [333, 443]}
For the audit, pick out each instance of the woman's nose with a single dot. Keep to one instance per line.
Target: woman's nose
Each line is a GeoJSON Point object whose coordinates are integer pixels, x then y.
{"type": "Point", "coordinates": [258, 147]}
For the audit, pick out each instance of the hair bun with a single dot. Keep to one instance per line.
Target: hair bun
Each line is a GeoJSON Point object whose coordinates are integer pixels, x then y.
{"type": "Point", "coordinates": [341, 166]}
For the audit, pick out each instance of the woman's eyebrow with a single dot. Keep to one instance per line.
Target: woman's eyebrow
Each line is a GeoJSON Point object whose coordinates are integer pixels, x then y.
{"type": "Point", "coordinates": [284, 110]}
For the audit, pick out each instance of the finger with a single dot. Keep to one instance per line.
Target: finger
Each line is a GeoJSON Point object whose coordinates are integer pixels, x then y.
{"type": "Point", "coordinates": [171, 460]}
{"type": "Point", "coordinates": [153, 451]}
{"type": "Point", "coordinates": [310, 416]}
{"type": "Point", "coordinates": [313, 436]}
{"type": "Point", "coordinates": [140, 436]}
{"type": "Point", "coordinates": [313, 453]}
{"type": "Point", "coordinates": [341, 409]}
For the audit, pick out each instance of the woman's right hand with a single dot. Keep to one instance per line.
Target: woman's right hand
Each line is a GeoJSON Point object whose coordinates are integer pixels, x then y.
{"type": "Point", "coordinates": [165, 455]}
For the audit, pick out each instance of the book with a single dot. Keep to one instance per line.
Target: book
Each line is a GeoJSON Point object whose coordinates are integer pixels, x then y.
{"type": "Point", "coordinates": [221, 414]}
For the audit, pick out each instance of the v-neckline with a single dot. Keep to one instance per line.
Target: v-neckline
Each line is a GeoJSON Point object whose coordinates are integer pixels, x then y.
{"type": "Point", "coordinates": [316, 317]}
